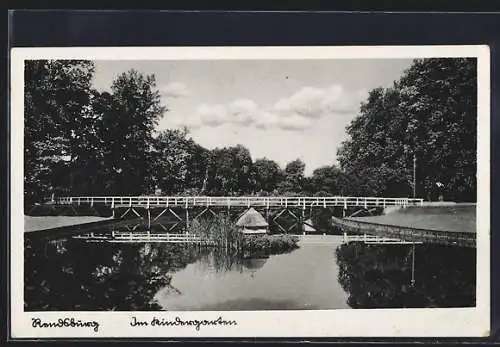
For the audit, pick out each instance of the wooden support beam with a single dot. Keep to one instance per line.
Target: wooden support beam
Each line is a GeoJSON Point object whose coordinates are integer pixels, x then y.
{"type": "Point", "coordinates": [123, 215]}
{"type": "Point", "coordinates": [279, 226]}
{"type": "Point", "coordinates": [201, 213]}
{"type": "Point", "coordinates": [173, 226]}
{"type": "Point", "coordinates": [137, 213]}
{"type": "Point", "coordinates": [175, 214]}
{"type": "Point", "coordinates": [160, 214]}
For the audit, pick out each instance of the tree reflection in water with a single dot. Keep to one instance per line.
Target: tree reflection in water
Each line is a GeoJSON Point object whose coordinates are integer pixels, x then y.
{"type": "Point", "coordinates": [70, 274]}
{"type": "Point", "coordinates": [379, 276]}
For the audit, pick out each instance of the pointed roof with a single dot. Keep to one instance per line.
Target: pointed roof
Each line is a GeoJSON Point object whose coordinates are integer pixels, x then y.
{"type": "Point", "coordinates": [251, 218]}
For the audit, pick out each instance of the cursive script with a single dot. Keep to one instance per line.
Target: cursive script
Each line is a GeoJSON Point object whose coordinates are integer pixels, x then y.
{"type": "Point", "coordinates": [65, 323]}
{"type": "Point", "coordinates": [196, 323]}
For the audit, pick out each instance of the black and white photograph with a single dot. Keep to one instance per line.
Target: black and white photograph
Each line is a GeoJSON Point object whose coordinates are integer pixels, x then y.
{"type": "Point", "coordinates": [278, 182]}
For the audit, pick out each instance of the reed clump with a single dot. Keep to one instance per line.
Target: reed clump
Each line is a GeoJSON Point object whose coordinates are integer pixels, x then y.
{"type": "Point", "coordinates": [222, 232]}
{"type": "Point", "coordinates": [219, 230]}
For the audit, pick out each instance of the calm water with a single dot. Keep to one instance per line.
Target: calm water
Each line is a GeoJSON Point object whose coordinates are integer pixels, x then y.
{"type": "Point", "coordinates": [71, 274]}
{"type": "Point", "coordinates": [306, 278]}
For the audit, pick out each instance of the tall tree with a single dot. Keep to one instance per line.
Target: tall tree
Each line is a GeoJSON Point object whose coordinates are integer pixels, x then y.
{"type": "Point", "coordinates": [430, 115]}
{"type": "Point", "coordinates": [328, 180]}
{"type": "Point", "coordinates": [132, 111]}
{"type": "Point", "coordinates": [293, 181]}
{"type": "Point", "coordinates": [230, 171]}
{"type": "Point", "coordinates": [267, 175]}
{"type": "Point", "coordinates": [57, 123]}
{"type": "Point", "coordinates": [180, 163]}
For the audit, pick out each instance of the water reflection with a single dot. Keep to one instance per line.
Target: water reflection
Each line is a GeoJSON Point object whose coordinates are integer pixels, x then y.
{"type": "Point", "coordinates": [70, 274]}
{"type": "Point", "coordinates": [379, 276]}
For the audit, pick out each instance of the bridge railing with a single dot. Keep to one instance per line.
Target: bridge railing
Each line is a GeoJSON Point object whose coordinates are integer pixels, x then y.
{"type": "Point", "coordinates": [238, 201]}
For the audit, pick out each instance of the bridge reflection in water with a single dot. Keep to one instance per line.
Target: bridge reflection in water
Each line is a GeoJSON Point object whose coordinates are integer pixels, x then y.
{"type": "Point", "coordinates": [322, 274]}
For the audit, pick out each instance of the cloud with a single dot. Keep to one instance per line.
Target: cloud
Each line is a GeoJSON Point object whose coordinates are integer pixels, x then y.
{"type": "Point", "coordinates": [175, 90]}
{"type": "Point", "coordinates": [243, 111]}
{"type": "Point", "coordinates": [315, 103]}
{"type": "Point", "coordinates": [296, 112]}
{"type": "Point", "coordinates": [212, 115]}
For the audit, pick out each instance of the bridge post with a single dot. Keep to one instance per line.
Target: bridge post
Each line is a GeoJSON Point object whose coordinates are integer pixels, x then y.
{"type": "Point", "coordinates": [149, 219]}
{"type": "Point", "coordinates": [412, 282]}
{"type": "Point", "coordinates": [301, 220]}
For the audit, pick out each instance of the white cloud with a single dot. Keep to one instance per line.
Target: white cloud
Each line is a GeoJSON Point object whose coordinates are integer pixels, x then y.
{"type": "Point", "coordinates": [212, 115]}
{"type": "Point", "coordinates": [243, 111]}
{"type": "Point", "coordinates": [297, 112]}
{"type": "Point", "coordinates": [314, 103]}
{"type": "Point", "coordinates": [175, 90]}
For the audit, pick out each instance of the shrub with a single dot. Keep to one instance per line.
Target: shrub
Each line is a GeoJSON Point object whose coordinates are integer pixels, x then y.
{"type": "Point", "coordinates": [274, 244]}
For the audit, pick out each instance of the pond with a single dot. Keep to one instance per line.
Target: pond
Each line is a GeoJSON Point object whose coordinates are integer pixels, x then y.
{"type": "Point", "coordinates": [74, 274]}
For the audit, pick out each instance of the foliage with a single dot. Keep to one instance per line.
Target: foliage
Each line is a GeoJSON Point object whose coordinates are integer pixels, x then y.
{"type": "Point", "coordinates": [79, 141]}
{"type": "Point", "coordinates": [230, 171]}
{"type": "Point", "coordinates": [134, 112]}
{"type": "Point", "coordinates": [124, 278]}
{"type": "Point", "coordinates": [267, 175]}
{"type": "Point", "coordinates": [270, 244]}
{"type": "Point", "coordinates": [429, 114]}
{"type": "Point", "coordinates": [57, 122]}
{"type": "Point", "coordinates": [179, 164]}
{"type": "Point", "coordinates": [294, 179]}
{"type": "Point", "coordinates": [220, 230]}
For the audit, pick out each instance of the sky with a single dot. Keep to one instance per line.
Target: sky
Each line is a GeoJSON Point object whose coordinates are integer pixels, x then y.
{"type": "Point", "coordinates": [278, 109]}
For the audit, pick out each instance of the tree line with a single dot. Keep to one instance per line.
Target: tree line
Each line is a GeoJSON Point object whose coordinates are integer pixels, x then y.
{"type": "Point", "coordinates": [80, 141]}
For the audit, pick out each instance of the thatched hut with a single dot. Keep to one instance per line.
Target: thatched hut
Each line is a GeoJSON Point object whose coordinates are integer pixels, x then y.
{"type": "Point", "coordinates": [252, 222]}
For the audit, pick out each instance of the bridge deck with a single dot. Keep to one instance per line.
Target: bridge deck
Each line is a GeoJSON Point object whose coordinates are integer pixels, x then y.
{"type": "Point", "coordinates": [232, 201]}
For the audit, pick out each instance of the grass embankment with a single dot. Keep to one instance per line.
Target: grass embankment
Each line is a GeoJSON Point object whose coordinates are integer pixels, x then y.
{"type": "Point", "coordinates": [224, 233]}
{"type": "Point", "coordinates": [460, 218]}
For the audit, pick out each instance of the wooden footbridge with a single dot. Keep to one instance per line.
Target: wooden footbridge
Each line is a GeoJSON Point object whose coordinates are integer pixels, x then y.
{"type": "Point", "coordinates": [185, 209]}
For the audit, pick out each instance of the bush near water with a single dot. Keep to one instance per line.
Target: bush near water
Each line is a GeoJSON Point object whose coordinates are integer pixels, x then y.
{"type": "Point", "coordinates": [273, 244]}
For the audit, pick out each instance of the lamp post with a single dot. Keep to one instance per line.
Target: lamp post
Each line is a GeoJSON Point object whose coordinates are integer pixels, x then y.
{"type": "Point", "coordinates": [414, 175]}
